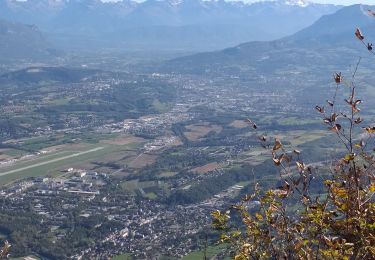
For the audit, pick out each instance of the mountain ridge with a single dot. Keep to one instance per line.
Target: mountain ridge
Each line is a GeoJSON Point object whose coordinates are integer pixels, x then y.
{"type": "Point", "coordinates": [26, 42]}
{"type": "Point", "coordinates": [319, 39]}
{"type": "Point", "coordinates": [220, 24]}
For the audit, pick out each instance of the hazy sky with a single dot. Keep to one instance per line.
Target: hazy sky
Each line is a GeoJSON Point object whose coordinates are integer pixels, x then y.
{"type": "Point", "coordinates": [341, 2]}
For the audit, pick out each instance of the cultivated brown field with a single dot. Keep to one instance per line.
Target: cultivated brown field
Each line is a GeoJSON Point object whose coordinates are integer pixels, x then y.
{"type": "Point", "coordinates": [239, 124]}
{"type": "Point", "coordinates": [177, 142]}
{"type": "Point", "coordinates": [197, 131]}
{"type": "Point", "coordinates": [4, 156]}
{"type": "Point", "coordinates": [143, 160]}
{"type": "Point", "coordinates": [123, 140]}
{"type": "Point", "coordinates": [206, 168]}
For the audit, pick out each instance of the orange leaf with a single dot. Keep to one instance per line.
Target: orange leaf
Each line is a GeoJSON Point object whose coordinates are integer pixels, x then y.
{"type": "Point", "coordinates": [359, 35]}
{"type": "Point", "coordinates": [277, 145]}
{"type": "Point", "coordinates": [349, 157]}
{"type": "Point", "coordinates": [320, 109]}
{"type": "Point", "coordinates": [276, 161]}
{"type": "Point", "coordinates": [370, 130]}
{"type": "Point", "coordinates": [259, 216]}
{"type": "Point", "coordinates": [301, 166]}
{"type": "Point", "coordinates": [360, 144]}
{"type": "Point", "coordinates": [337, 77]}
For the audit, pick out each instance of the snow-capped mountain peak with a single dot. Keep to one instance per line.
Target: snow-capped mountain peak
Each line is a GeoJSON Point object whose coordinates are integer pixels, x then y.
{"type": "Point", "coordinates": [301, 3]}
{"type": "Point", "coordinates": [175, 2]}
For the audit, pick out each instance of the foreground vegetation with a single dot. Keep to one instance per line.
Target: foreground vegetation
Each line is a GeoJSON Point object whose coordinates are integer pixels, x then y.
{"type": "Point", "coordinates": [293, 222]}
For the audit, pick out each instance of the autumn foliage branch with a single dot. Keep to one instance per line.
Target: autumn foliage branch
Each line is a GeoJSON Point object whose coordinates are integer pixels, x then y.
{"type": "Point", "coordinates": [290, 222]}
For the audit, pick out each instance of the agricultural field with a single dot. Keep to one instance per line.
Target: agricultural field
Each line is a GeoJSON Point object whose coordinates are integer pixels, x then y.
{"type": "Point", "coordinates": [255, 157]}
{"type": "Point", "coordinates": [123, 140]}
{"type": "Point", "coordinates": [300, 137]}
{"type": "Point", "coordinates": [197, 131]}
{"type": "Point", "coordinates": [167, 174]}
{"type": "Point", "coordinates": [296, 121]}
{"type": "Point", "coordinates": [211, 252]}
{"type": "Point", "coordinates": [239, 124]}
{"type": "Point", "coordinates": [206, 168]}
{"type": "Point", "coordinates": [142, 160]}
{"type": "Point", "coordinates": [144, 188]}
{"type": "Point", "coordinates": [123, 257]}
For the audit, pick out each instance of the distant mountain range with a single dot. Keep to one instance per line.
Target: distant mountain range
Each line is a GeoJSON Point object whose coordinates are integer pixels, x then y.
{"type": "Point", "coordinates": [35, 75]}
{"type": "Point", "coordinates": [188, 25]}
{"type": "Point", "coordinates": [329, 41]}
{"type": "Point", "coordinates": [18, 41]}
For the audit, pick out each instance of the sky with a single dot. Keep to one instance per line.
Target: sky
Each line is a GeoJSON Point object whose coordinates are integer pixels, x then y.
{"type": "Point", "coordinates": [338, 2]}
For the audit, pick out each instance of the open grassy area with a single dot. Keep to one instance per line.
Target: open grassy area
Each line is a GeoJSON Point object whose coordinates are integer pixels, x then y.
{"type": "Point", "coordinates": [14, 152]}
{"type": "Point", "coordinates": [132, 186]}
{"type": "Point", "coordinates": [295, 121]}
{"type": "Point", "coordinates": [136, 186]}
{"type": "Point", "coordinates": [255, 156]}
{"type": "Point", "coordinates": [50, 164]}
{"type": "Point", "coordinates": [150, 195]}
{"type": "Point", "coordinates": [46, 165]}
{"type": "Point", "coordinates": [159, 106]}
{"type": "Point", "coordinates": [35, 144]}
{"type": "Point", "coordinates": [167, 174]}
{"type": "Point", "coordinates": [143, 160]}
{"type": "Point", "coordinates": [123, 257]}
{"type": "Point", "coordinates": [301, 137]}
{"type": "Point", "coordinates": [211, 252]}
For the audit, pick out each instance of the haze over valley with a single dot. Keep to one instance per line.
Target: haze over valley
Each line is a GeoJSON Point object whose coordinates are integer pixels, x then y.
{"type": "Point", "coordinates": [123, 125]}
